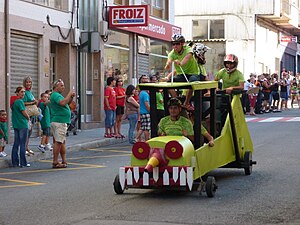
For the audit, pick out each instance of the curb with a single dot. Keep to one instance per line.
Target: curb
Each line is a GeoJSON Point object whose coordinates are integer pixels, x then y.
{"type": "Point", "coordinates": [5, 162]}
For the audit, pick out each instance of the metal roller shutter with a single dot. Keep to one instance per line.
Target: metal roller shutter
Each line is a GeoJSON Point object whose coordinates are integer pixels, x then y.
{"type": "Point", "coordinates": [24, 62]}
{"type": "Point", "coordinates": [143, 65]}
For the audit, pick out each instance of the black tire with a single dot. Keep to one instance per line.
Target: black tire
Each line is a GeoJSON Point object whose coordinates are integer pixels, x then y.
{"type": "Point", "coordinates": [210, 187]}
{"type": "Point", "coordinates": [248, 161]}
{"type": "Point", "coordinates": [117, 186]}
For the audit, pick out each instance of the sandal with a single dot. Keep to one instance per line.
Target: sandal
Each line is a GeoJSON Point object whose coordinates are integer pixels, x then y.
{"type": "Point", "coordinates": [65, 164]}
{"type": "Point", "coordinates": [58, 166]}
{"type": "Point", "coordinates": [107, 135]}
{"type": "Point", "coordinates": [118, 136]}
{"type": "Point", "coordinates": [29, 152]}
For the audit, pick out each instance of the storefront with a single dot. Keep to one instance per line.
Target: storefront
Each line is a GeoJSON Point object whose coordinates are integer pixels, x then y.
{"type": "Point", "coordinates": [133, 51]}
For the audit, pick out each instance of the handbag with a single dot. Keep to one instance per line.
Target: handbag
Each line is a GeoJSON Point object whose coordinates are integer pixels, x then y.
{"type": "Point", "coordinates": [32, 110]}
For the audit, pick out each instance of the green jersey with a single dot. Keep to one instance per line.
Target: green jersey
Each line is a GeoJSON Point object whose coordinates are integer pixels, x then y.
{"type": "Point", "coordinates": [191, 67]}
{"type": "Point", "coordinates": [18, 119]}
{"type": "Point", "coordinates": [230, 80]}
{"type": "Point", "coordinates": [28, 97]}
{"type": "Point", "coordinates": [159, 101]}
{"type": "Point", "coordinates": [58, 113]}
{"type": "Point", "coordinates": [175, 128]}
{"type": "Point", "coordinates": [45, 122]}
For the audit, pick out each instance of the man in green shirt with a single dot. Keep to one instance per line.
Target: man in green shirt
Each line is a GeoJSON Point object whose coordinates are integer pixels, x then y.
{"type": "Point", "coordinates": [60, 116]}
{"type": "Point", "coordinates": [232, 78]}
{"type": "Point", "coordinates": [176, 125]}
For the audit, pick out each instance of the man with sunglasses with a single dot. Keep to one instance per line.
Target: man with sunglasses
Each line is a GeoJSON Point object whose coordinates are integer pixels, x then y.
{"type": "Point", "coordinates": [185, 64]}
{"type": "Point", "coordinates": [60, 117]}
{"type": "Point", "coordinates": [232, 78]}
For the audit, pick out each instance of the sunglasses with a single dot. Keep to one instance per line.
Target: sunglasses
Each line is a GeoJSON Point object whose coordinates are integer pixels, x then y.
{"type": "Point", "coordinates": [176, 43]}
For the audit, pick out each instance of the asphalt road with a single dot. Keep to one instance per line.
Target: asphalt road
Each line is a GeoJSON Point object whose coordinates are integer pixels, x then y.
{"type": "Point", "coordinates": [83, 193]}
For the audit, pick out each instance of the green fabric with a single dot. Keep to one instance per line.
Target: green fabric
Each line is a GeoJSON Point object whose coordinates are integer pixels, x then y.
{"type": "Point", "coordinates": [190, 67]}
{"type": "Point", "coordinates": [230, 80]}
{"type": "Point", "coordinates": [28, 97]}
{"type": "Point", "coordinates": [3, 127]}
{"type": "Point", "coordinates": [159, 101]}
{"type": "Point", "coordinates": [18, 119]}
{"type": "Point", "coordinates": [58, 113]}
{"type": "Point", "coordinates": [202, 69]}
{"type": "Point", "coordinates": [45, 122]}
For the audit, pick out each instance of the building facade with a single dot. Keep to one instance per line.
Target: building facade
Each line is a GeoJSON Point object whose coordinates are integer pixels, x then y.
{"type": "Point", "coordinates": [263, 34]}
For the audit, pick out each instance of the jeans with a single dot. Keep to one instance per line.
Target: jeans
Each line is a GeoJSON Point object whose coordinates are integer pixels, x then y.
{"type": "Point", "coordinates": [133, 118]}
{"type": "Point", "coordinates": [21, 135]}
{"type": "Point", "coordinates": [110, 117]}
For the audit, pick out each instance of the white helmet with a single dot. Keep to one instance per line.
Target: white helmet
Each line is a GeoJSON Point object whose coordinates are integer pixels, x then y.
{"type": "Point", "coordinates": [199, 49]}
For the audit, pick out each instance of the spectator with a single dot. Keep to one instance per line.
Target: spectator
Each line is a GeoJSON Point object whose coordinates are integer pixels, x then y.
{"type": "Point", "coordinates": [284, 91]}
{"type": "Point", "coordinates": [29, 100]}
{"type": "Point", "coordinates": [120, 102]}
{"type": "Point", "coordinates": [274, 96]}
{"type": "Point", "coordinates": [20, 120]}
{"type": "Point", "coordinates": [252, 95]}
{"type": "Point", "coordinates": [294, 93]}
{"type": "Point", "coordinates": [260, 96]}
{"type": "Point", "coordinates": [144, 100]}
{"type": "Point", "coordinates": [110, 107]}
{"type": "Point", "coordinates": [60, 115]}
{"type": "Point", "coordinates": [132, 112]}
{"type": "Point", "coordinates": [3, 132]}
{"type": "Point", "coordinates": [160, 109]}
{"type": "Point", "coordinates": [177, 125]}
{"type": "Point", "coordinates": [45, 123]}
{"type": "Point", "coordinates": [266, 85]}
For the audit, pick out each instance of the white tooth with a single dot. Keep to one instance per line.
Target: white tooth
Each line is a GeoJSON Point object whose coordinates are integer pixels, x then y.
{"type": "Point", "coordinates": [145, 179]}
{"type": "Point", "coordinates": [166, 178]}
{"type": "Point", "coordinates": [194, 161]}
{"type": "Point", "coordinates": [136, 174]}
{"type": "Point", "coordinates": [129, 177]}
{"type": "Point", "coordinates": [122, 177]}
{"type": "Point", "coordinates": [190, 177]}
{"type": "Point", "coordinates": [155, 173]}
{"type": "Point", "coordinates": [182, 177]}
{"type": "Point", "coordinates": [175, 174]}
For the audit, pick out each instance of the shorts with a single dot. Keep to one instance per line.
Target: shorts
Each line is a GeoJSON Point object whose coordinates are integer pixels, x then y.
{"type": "Point", "coordinates": [191, 78]}
{"type": "Point", "coordinates": [110, 118]}
{"type": "Point", "coordinates": [2, 142]}
{"type": "Point", "coordinates": [266, 96]}
{"type": "Point", "coordinates": [46, 131]}
{"type": "Point", "coordinates": [59, 131]}
{"type": "Point", "coordinates": [145, 122]}
{"type": "Point", "coordinates": [120, 110]}
{"type": "Point", "coordinates": [284, 95]}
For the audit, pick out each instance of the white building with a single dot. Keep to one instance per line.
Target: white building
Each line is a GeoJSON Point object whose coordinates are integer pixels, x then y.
{"type": "Point", "coordinates": [262, 33]}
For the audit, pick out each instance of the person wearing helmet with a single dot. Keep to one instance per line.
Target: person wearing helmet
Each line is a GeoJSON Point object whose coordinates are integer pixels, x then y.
{"type": "Point", "coordinates": [199, 51]}
{"type": "Point", "coordinates": [176, 125]}
{"type": "Point", "coordinates": [232, 78]}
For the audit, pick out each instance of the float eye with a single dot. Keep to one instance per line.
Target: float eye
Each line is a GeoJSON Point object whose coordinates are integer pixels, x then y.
{"type": "Point", "coordinates": [141, 150]}
{"type": "Point", "coordinates": [173, 150]}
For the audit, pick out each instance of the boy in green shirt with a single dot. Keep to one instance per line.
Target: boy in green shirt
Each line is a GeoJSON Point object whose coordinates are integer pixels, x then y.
{"type": "Point", "coordinates": [3, 132]}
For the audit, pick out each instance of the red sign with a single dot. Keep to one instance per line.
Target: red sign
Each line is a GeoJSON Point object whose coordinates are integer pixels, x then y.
{"type": "Point", "coordinates": [288, 39]}
{"type": "Point", "coordinates": [156, 29]}
{"type": "Point", "coordinates": [120, 16]}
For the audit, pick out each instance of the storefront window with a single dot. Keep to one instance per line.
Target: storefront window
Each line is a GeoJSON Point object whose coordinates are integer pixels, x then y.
{"type": "Point", "coordinates": [158, 58]}
{"type": "Point", "coordinates": [116, 57]}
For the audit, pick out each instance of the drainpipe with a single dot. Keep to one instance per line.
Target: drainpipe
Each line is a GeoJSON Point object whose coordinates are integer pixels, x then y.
{"type": "Point", "coordinates": [7, 57]}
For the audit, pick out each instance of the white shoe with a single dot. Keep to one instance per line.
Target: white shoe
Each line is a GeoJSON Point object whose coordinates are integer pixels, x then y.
{"type": "Point", "coordinates": [41, 148]}
{"type": "Point", "coordinates": [4, 154]}
{"type": "Point", "coordinates": [48, 147]}
{"type": "Point", "coordinates": [1, 154]}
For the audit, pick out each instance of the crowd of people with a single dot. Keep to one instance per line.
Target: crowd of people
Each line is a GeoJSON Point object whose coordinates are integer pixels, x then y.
{"type": "Point", "coordinates": [51, 111]}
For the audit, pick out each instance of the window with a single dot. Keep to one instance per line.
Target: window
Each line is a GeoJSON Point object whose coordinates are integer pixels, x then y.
{"type": "Point", "coordinates": [158, 8]}
{"type": "Point", "coordinates": [57, 4]}
{"type": "Point", "coordinates": [208, 29]}
{"type": "Point", "coordinates": [121, 2]}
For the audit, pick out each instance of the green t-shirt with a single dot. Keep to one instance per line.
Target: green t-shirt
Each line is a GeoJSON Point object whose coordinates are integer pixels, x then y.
{"type": "Point", "coordinates": [202, 69]}
{"type": "Point", "coordinates": [3, 127]}
{"type": "Point", "coordinates": [190, 67]}
{"type": "Point", "coordinates": [159, 101]}
{"type": "Point", "coordinates": [28, 97]}
{"type": "Point", "coordinates": [45, 122]}
{"type": "Point", "coordinates": [230, 80]}
{"type": "Point", "coordinates": [18, 119]}
{"type": "Point", "coordinates": [58, 113]}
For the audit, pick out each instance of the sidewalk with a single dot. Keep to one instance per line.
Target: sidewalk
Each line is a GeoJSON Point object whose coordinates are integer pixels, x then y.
{"type": "Point", "coordinates": [84, 139]}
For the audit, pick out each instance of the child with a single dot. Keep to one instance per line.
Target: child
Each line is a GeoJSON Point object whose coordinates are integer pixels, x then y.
{"type": "Point", "coordinates": [3, 132]}
{"type": "Point", "coordinates": [45, 123]}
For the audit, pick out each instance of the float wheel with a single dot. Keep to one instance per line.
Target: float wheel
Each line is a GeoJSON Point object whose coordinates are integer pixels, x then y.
{"type": "Point", "coordinates": [248, 161]}
{"type": "Point", "coordinates": [210, 186]}
{"type": "Point", "coordinates": [117, 186]}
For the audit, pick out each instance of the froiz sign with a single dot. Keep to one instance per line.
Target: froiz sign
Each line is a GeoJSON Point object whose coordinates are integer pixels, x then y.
{"type": "Point", "coordinates": [128, 16]}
